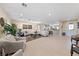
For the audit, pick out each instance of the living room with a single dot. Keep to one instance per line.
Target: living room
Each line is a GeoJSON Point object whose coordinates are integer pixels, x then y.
{"type": "Point", "coordinates": [38, 29]}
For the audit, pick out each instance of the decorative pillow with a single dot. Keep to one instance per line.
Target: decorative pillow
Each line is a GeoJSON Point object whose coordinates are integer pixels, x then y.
{"type": "Point", "coordinates": [9, 37]}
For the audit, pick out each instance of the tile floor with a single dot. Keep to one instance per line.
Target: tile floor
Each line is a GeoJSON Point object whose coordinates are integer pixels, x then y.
{"type": "Point", "coordinates": [49, 46]}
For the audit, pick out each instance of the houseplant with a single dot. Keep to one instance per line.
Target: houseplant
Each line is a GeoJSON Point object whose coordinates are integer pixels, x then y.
{"type": "Point", "coordinates": [10, 28]}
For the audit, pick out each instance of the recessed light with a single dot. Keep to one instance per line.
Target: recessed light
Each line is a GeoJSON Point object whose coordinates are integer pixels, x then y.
{"type": "Point", "coordinates": [21, 14]}
{"type": "Point", "coordinates": [49, 14]}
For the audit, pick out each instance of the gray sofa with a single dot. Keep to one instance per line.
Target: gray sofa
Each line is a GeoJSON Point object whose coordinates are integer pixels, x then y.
{"type": "Point", "coordinates": [12, 48]}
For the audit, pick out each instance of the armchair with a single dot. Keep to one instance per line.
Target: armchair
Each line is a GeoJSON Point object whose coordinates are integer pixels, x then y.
{"type": "Point", "coordinates": [74, 46]}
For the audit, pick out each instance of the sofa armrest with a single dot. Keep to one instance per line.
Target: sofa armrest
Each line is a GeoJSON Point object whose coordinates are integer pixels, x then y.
{"type": "Point", "coordinates": [18, 53]}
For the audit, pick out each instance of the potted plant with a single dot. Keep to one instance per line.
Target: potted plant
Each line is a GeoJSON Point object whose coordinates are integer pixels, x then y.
{"type": "Point", "coordinates": [10, 28]}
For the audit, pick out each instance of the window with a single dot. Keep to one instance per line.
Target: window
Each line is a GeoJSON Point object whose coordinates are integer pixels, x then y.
{"type": "Point", "coordinates": [71, 26]}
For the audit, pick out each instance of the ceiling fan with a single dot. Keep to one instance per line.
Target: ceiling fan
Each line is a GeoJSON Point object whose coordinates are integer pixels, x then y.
{"type": "Point", "coordinates": [24, 4]}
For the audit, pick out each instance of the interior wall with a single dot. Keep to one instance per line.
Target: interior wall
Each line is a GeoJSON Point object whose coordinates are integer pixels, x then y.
{"type": "Point", "coordinates": [35, 26]}
{"type": "Point", "coordinates": [20, 25]}
{"type": "Point", "coordinates": [6, 19]}
{"type": "Point", "coordinates": [5, 16]}
{"type": "Point", "coordinates": [65, 27]}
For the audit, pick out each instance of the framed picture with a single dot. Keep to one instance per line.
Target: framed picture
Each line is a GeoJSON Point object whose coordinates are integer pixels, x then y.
{"type": "Point", "coordinates": [2, 21]}
{"type": "Point", "coordinates": [27, 26]}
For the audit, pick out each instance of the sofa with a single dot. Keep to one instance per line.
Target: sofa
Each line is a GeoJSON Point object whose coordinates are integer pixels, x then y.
{"type": "Point", "coordinates": [12, 47]}
{"type": "Point", "coordinates": [43, 33]}
{"type": "Point", "coordinates": [9, 46]}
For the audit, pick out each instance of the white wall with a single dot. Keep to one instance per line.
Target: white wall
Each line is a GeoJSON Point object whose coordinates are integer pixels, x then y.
{"type": "Point", "coordinates": [20, 25]}
{"type": "Point", "coordinates": [6, 19]}
{"type": "Point", "coordinates": [66, 27]}
{"type": "Point", "coordinates": [36, 26]}
{"type": "Point", "coordinates": [4, 15]}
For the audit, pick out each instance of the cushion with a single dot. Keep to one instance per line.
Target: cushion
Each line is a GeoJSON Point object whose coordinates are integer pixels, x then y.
{"type": "Point", "coordinates": [8, 37]}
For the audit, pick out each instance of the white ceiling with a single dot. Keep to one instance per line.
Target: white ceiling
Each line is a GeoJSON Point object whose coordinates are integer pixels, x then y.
{"type": "Point", "coordinates": [45, 12]}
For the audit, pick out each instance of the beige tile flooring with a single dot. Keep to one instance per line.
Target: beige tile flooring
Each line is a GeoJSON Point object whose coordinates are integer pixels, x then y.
{"type": "Point", "coordinates": [49, 46]}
